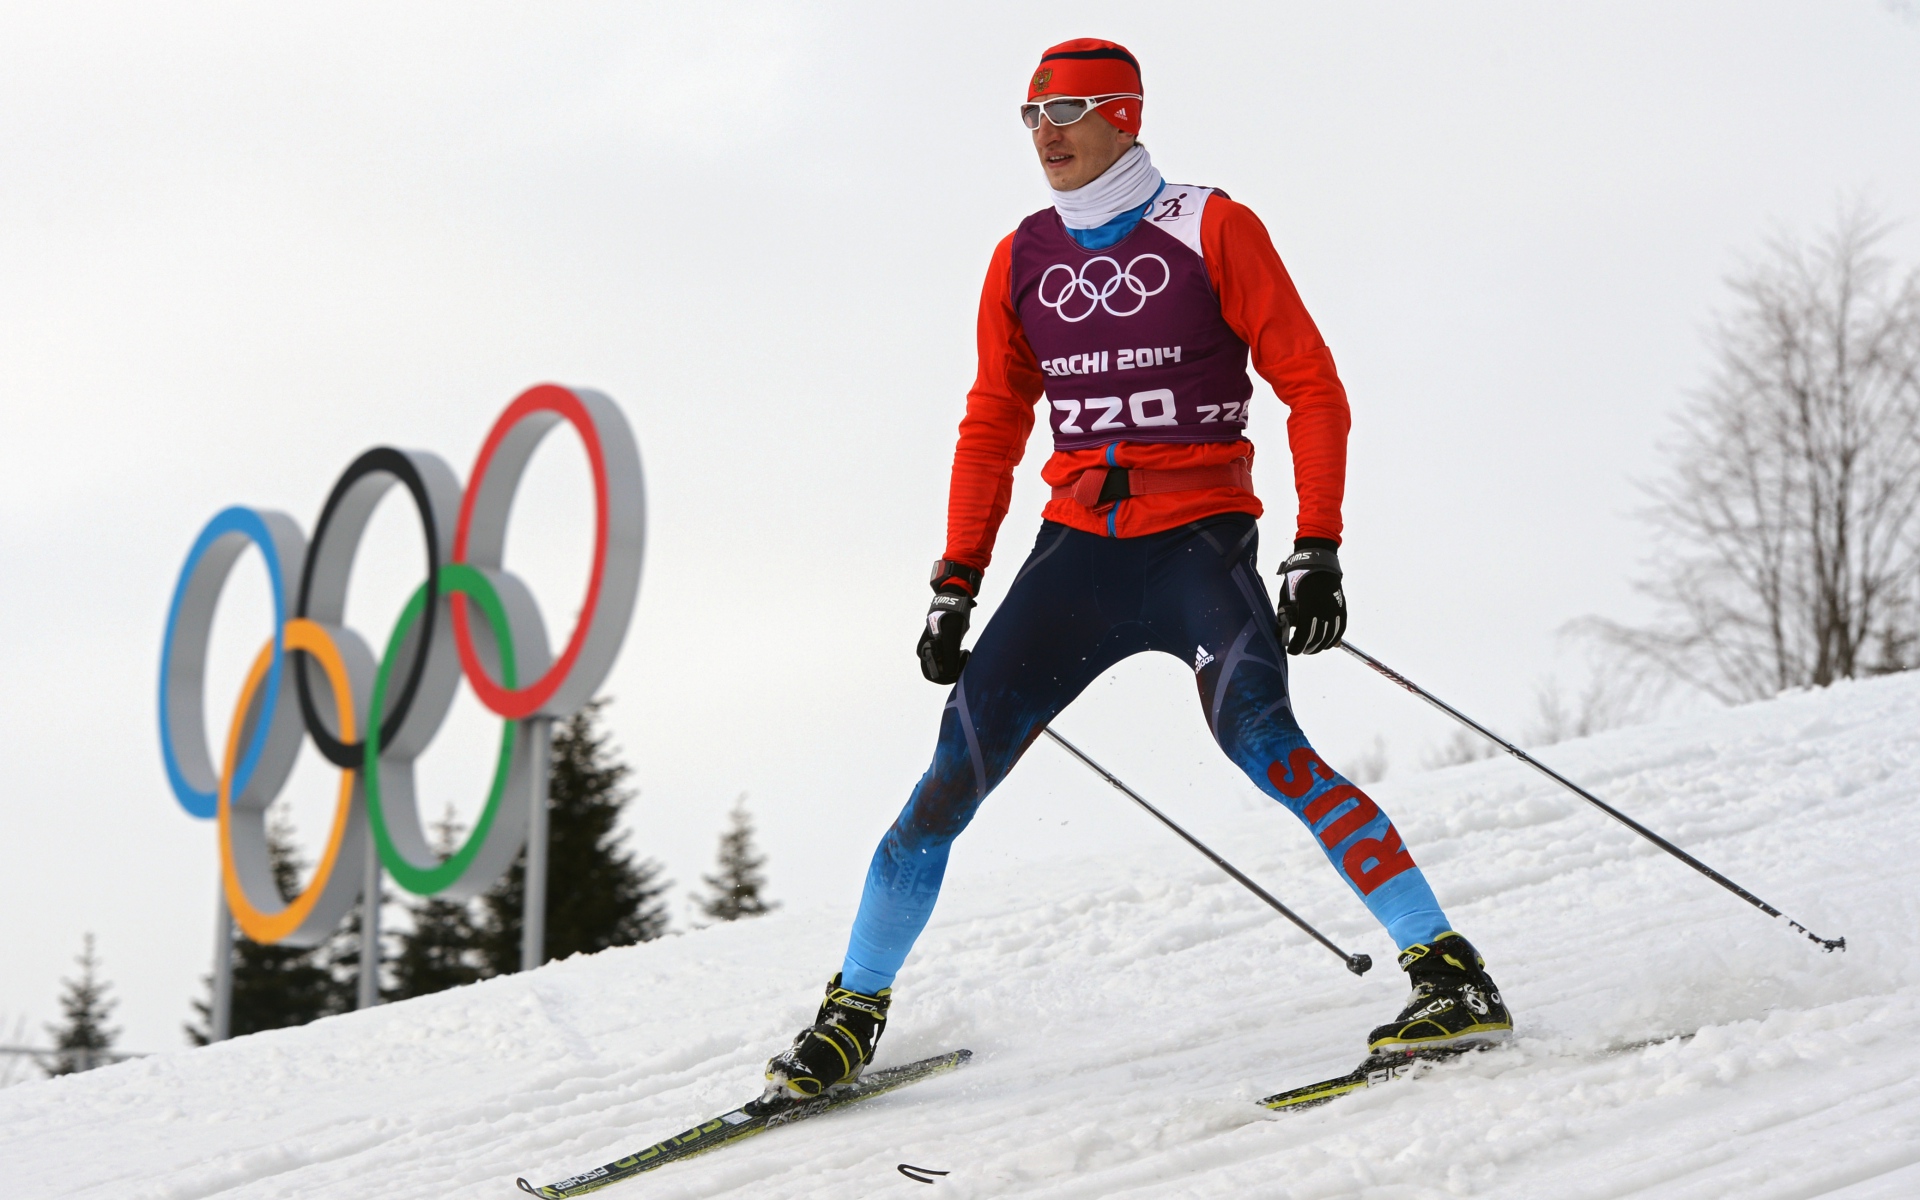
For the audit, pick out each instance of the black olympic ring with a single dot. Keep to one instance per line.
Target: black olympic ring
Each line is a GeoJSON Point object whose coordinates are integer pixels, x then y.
{"type": "Point", "coordinates": [381, 460]}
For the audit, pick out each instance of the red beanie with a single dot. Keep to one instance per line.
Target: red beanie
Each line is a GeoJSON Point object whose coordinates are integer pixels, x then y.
{"type": "Point", "coordinates": [1092, 67]}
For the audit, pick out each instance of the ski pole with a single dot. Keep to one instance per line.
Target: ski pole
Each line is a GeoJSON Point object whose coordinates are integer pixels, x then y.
{"type": "Point", "coordinates": [1828, 944]}
{"type": "Point", "coordinates": [1357, 963]}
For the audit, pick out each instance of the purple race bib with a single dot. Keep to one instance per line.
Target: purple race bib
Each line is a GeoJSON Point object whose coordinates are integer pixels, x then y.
{"type": "Point", "coordinates": [1130, 338]}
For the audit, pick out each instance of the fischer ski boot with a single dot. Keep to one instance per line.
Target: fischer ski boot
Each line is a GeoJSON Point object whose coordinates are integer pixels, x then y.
{"type": "Point", "coordinates": [832, 1051]}
{"type": "Point", "coordinates": [1456, 1006]}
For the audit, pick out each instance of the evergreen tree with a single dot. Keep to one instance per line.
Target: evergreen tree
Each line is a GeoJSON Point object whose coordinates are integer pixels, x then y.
{"type": "Point", "coordinates": [736, 889]}
{"type": "Point", "coordinates": [442, 949]}
{"type": "Point", "coordinates": [339, 956]}
{"type": "Point", "coordinates": [273, 986]}
{"type": "Point", "coordinates": [84, 1041]}
{"type": "Point", "coordinates": [597, 894]}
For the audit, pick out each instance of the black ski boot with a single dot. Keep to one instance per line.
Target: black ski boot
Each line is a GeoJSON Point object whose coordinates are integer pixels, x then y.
{"type": "Point", "coordinates": [833, 1050]}
{"type": "Point", "coordinates": [1456, 1005]}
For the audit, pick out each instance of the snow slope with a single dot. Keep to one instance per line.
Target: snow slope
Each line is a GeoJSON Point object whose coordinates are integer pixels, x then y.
{"type": "Point", "coordinates": [1126, 1009]}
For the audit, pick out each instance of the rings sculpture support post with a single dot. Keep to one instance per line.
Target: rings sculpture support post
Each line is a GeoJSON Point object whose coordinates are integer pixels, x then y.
{"type": "Point", "coordinates": [369, 990]}
{"type": "Point", "coordinates": [220, 1012]}
{"type": "Point", "coordinates": [317, 680]}
{"type": "Point", "coordinates": [533, 915]}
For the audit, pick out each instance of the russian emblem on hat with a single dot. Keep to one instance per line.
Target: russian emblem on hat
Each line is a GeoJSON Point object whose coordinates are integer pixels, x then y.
{"type": "Point", "coordinates": [1042, 78]}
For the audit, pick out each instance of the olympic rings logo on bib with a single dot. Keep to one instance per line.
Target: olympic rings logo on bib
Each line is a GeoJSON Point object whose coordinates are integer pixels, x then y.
{"type": "Point", "coordinates": [371, 718]}
{"type": "Point", "coordinates": [1096, 286]}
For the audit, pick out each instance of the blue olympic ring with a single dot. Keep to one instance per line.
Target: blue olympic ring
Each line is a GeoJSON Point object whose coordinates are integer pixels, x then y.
{"type": "Point", "coordinates": [223, 532]}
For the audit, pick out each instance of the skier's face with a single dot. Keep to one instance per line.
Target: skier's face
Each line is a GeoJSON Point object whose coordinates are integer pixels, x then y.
{"type": "Point", "coordinates": [1077, 154]}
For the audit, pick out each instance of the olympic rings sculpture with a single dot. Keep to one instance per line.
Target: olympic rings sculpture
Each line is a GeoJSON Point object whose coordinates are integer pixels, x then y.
{"type": "Point", "coordinates": [1100, 295]}
{"type": "Point", "coordinates": [371, 717]}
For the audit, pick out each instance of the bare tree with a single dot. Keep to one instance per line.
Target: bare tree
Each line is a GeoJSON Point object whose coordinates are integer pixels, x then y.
{"type": "Point", "coordinates": [1788, 529]}
{"type": "Point", "coordinates": [1460, 747]}
{"type": "Point", "coordinates": [1608, 700]}
{"type": "Point", "coordinates": [1371, 765]}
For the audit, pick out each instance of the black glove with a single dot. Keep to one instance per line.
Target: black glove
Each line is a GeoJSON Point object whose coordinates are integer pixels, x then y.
{"type": "Point", "coordinates": [954, 586]}
{"type": "Point", "coordinates": [1311, 601]}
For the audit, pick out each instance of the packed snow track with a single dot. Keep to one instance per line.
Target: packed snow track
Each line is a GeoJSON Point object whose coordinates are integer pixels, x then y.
{"type": "Point", "coordinates": [1125, 1014]}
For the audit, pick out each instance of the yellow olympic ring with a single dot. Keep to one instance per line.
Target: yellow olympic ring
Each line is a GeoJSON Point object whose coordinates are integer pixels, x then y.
{"type": "Point", "coordinates": [247, 878]}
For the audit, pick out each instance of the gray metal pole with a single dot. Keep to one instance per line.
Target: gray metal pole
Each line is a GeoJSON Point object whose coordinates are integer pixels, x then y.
{"type": "Point", "coordinates": [533, 918]}
{"type": "Point", "coordinates": [1359, 964]}
{"type": "Point", "coordinates": [1828, 944]}
{"type": "Point", "coordinates": [220, 1020]}
{"type": "Point", "coordinates": [370, 928]}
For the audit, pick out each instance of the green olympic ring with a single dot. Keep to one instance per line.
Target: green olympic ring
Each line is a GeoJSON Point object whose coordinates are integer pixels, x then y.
{"type": "Point", "coordinates": [447, 877]}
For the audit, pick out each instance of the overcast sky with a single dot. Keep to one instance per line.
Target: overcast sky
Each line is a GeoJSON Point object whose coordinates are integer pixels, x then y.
{"type": "Point", "coordinates": [240, 243]}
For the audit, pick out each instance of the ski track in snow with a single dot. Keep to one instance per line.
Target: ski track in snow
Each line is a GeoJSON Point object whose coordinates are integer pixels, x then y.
{"type": "Point", "coordinates": [1126, 1009]}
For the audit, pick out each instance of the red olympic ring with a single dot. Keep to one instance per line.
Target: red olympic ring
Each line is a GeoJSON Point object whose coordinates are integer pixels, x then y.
{"type": "Point", "coordinates": [509, 444]}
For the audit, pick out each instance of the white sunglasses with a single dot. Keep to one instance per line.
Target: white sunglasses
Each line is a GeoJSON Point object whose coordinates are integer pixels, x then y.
{"type": "Point", "coordinates": [1065, 110]}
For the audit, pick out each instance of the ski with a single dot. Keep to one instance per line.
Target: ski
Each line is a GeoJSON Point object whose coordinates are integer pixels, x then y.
{"type": "Point", "coordinates": [1380, 1069]}
{"type": "Point", "coordinates": [1375, 1070]}
{"type": "Point", "coordinates": [743, 1122]}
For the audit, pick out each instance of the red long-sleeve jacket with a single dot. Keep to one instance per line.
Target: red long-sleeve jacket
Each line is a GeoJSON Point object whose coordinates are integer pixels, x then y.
{"type": "Point", "coordinates": [1259, 303]}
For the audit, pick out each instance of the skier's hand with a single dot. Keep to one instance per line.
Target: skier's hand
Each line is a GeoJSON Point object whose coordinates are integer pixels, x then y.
{"type": "Point", "coordinates": [1312, 602]}
{"type": "Point", "coordinates": [941, 658]}
{"type": "Point", "coordinates": [954, 587]}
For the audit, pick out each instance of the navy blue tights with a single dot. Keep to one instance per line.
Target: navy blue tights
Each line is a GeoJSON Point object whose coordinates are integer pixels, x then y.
{"type": "Point", "coordinates": [1080, 604]}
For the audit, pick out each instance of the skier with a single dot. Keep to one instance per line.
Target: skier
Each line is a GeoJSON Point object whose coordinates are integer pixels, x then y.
{"type": "Point", "coordinates": [1133, 305]}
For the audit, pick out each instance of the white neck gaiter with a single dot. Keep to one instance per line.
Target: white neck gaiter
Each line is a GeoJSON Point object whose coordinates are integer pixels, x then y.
{"type": "Point", "coordinates": [1128, 183]}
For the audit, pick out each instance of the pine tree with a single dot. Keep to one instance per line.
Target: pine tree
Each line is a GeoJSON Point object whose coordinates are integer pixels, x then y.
{"type": "Point", "coordinates": [339, 956]}
{"type": "Point", "coordinates": [84, 1041]}
{"type": "Point", "coordinates": [273, 986]}
{"type": "Point", "coordinates": [736, 890]}
{"type": "Point", "coordinates": [441, 950]}
{"type": "Point", "coordinates": [597, 894]}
